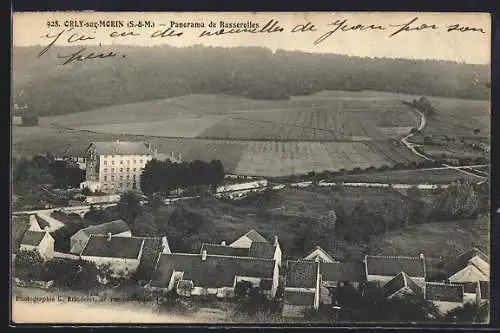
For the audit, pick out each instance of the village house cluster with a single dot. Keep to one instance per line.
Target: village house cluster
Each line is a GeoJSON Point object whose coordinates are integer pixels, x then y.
{"type": "Point", "coordinates": [308, 283]}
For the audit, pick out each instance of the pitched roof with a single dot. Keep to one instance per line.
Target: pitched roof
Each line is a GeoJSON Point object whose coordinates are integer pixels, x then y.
{"type": "Point", "coordinates": [261, 250]}
{"type": "Point", "coordinates": [392, 266]}
{"type": "Point", "coordinates": [320, 249]}
{"type": "Point", "coordinates": [114, 227]}
{"type": "Point", "coordinates": [214, 272]}
{"type": "Point", "coordinates": [255, 236]}
{"type": "Point", "coordinates": [444, 292]}
{"type": "Point", "coordinates": [32, 238]}
{"type": "Point", "coordinates": [116, 247]}
{"type": "Point", "coordinates": [462, 260]}
{"type": "Point", "coordinates": [336, 271]}
{"type": "Point", "coordinates": [293, 297]}
{"type": "Point", "coordinates": [121, 148]}
{"type": "Point", "coordinates": [42, 222]}
{"type": "Point", "coordinates": [224, 250]}
{"type": "Point", "coordinates": [151, 249]}
{"type": "Point", "coordinates": [400, 281]}
{"type": "Point", "coordinates": [301, 274]}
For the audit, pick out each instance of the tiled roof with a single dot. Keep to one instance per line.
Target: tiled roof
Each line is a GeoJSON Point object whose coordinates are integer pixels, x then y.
{"type": "Point", "coordinates": [116, 247]}
{"type": "Point", "coordinates": [391, 266]}
{"type": "Point", "coordinates": [462, 261]}
{"type": "Point", "coordinates": [444, 292]}
{"type": "Point", "coordinates": [337, 271]}
{"type": "Point", "coordinates": [255, 236]}
{"type": "Point", "coordinates": [262, 250]}
{"type": "Point", "coordinates": [301, 274]}
{"type": "Point", "coordinates": [293, 297]}
{"type": "Point", "coordinates": [214, 272]}
{"type": "Point", "coordinates": [114, 227]}
{"type": "Point", "coordinates": [400, 281]}
{"type": "Point", "coordinates": [151, 249]}
{"type": "Point", "coordinates": [121, 148]}
{"type": "Point", "coordinates": [224, 250]}
{"type": "Point", "coordinates": [32, 238]}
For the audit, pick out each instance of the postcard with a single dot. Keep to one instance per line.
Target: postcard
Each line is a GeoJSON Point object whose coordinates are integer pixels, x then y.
{"type": "Point", "coordinates": [319, 167]}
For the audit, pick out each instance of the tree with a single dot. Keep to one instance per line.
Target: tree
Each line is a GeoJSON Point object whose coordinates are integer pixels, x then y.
{"type": "Point", "coordinates": [28, 265]}
{"type": "Point", "coordinates": [470, 313]}
{"type": "Point", "coordinates": [129, 207]}
{"type": "Point", "coordinates": [144, 225]}
{"type": "Point", "coordinates": [329, 219]}
{"type": "Point", "coordinates": [459, 201]}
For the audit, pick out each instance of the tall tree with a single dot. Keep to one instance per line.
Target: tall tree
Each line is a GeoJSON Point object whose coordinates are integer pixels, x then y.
{"type": "Point", "coordinates": [129, 207]}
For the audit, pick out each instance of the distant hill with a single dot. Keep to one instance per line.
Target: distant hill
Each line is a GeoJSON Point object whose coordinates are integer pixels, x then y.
{"type": "Point", "coordinates": [48, 88]}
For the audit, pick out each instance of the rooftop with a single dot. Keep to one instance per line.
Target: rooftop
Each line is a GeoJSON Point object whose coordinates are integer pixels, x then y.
{"type": "Point", "coordinates": [301, 274]}
{"type": "Point", "coordinates": [400, 281]}
{"type": "Point", "coordinates": [393, 265]}
{"type": "Point", "coordinates": [121, 148]}
{"type": "Point", "coordinates": [462, 261]}
{"type": "Point", "coordinates": [337, 271]}
{"type": "Point", "coordinates": [32, 238]}
{"type": "Point", "coordinates": [115, 247]}
{"type": "Point", "coordinates": [224, 250]}
{"type": "Point", "coordinates": [215, 271]}
{"type": "Point", "coordinates": [255, 236]}
{"type": "Point", "coordinates": [444, 292]}
{"type": "Point", "coordinates": [323, 252]}
{"type": "Point", "coordinates": [114, 227]}
{"type": "Point", "coordinates": [262, 250]}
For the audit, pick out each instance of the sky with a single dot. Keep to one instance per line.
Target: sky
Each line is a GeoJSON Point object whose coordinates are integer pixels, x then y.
{"type": "Point", "coordinates": [431, 41]}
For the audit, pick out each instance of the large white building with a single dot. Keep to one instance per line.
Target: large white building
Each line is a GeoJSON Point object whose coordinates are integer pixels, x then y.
{"type": "Point", "coordinates": [116, 166]}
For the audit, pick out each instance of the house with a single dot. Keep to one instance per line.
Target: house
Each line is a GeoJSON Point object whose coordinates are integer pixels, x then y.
{"type": "Point", "coordinates": [302, 287]}
{"type": "Point", "coordinates": [263, 250]}
{"type": "Point", "coordinates": [470, 266]}
{"type": "Point", "coordinates": [401, 285]}
{"type": "Point", "coordinates": [319, 252]}
{"type": "Point", "coordinates": [444, 296]}
{"type": "Point", "coordinates": [247, 239]}
{"type": "Point", "coordinates": [204, 274]}
{"type": "Point", "coordinates": [80, 238]}
{"type": "Point", "coordinates": [40, 241]}
{"type": "Point", "coordinates": [476, 292]}
{"type": "Point", "coordinates": [337, 274]}
{"type": "Point", "coordinates": [122, 254]}
{"type": "Point", "coordinates": [382, 269]}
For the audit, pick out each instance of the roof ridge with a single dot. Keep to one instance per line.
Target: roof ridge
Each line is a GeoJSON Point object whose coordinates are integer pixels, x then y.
{"type": "Point", "coordinates": [238, 257]}
{"type": "Point", "coordinates": [444, 284]}
{"type": "Point", "coordinates": [395, 257]}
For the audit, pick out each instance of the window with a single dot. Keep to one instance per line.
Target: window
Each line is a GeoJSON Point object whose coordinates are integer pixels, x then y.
{"type": "Point", "coordinates": [105, 162]}
{"type": "Point", "coordinates": [112, 169]}
{"type": "Point", "coordinates": [121, 184]}
{"type": "Point", "coordinates": [105, 178]}
{"type": "Point", "coordinates": [134, 169]}
{"type": "Point", "coordinates": [140, 161]}
{"type": "Point", "coordinates": [121, 177]}
{"type": "Point", "coordinates": [112, 177]}
{"type": "Point", "coordinates": [121, 169]}
{"type": "Point", "coordinates": [121, 161]}
{"type": "Point", "coordinates": [105, 169]}
{"type": "Point", "coordinates": [128, 176]}
{"type": "Point", "coordinates": [128, 169]}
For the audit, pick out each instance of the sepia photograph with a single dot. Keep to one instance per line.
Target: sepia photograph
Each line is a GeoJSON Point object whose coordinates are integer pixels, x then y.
{"type": "Point", "coordinates": [250, 168]}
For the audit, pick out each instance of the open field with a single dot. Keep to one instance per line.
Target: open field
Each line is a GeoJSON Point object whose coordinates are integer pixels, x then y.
{"type": "Point", "coordinates": [437, 176]}
{"type": "Point", "coordinates": [330, 130]}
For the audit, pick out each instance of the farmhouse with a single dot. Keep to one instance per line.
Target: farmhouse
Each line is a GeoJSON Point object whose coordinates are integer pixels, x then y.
{"type": "Point", "coordinates": [321, 254]}
{"type": "Point", "coordinates": [263, 250]}
{"type": "Point", "coordinates": [470, 266]}
{"type": "Point", "coordinates": [302, 287]}
{"type": "Point", "coordinates": [444, 296]}
{"type": "Point", "coordinates": [337, 274]}
{"type": "Point", "coordinates": [202, 275]}
{"type": "Point", "coordinates": [122, 254]}
{"type": "Point", "coordinates": [382, 269]}
{"type": "Point", "coordinates": [401, 285]}
{"type": "Point", "coordinates": [40, 241]}
{"type": "Point", "coordinates": [115, 228]}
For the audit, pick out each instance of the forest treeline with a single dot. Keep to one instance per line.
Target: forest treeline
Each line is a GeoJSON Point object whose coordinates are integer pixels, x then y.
{"type": "Point", "coordinates": [49, 88]}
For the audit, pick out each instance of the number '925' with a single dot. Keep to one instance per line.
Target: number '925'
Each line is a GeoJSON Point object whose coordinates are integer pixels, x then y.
{"type": "Point", "coordinates": [53, 24]}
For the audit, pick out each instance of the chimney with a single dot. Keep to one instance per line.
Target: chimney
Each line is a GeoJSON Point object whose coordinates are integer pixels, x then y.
{"type": "Point", "coordinates": [422, 256]}
{"type": "Point", "coordinates": [478, 292]}
{"type": "Point", "coordinates": [108, 236]}
{"type": "Point", "coordinates": [180, 157]}
{"type": "Point", "coordinates": [317, 292]}
{"type": "Point", "coordinates": [223, 243]}
{"type": "Point", "coordinates": [204, 255]}
{"type": "Point", "coordinates": [172, 156]}
{"type": "Point", "coordinates": [275, 240]}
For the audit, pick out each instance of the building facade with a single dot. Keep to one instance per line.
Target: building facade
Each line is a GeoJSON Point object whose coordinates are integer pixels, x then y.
{"type": "Point", "coordinates": [116, 166]}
